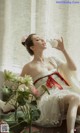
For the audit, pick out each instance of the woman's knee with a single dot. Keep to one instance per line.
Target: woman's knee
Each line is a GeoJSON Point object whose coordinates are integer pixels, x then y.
{"type": "Point", "coordinates": [75, 99]}
{"type": "Point", "coordinates": [72, 99]}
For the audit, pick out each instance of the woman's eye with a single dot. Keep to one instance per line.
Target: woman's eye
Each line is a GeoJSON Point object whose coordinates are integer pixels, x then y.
{"type": "Point", "coordinates": [37, 39]}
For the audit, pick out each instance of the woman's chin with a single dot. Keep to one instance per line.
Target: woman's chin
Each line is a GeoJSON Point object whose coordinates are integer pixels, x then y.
{"type": "Point", "coordinates": [44, 46]}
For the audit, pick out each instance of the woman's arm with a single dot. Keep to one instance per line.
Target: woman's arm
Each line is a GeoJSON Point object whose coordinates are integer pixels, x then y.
{"type": "Point", "coordinates": [70, 62]}
{"type": "Point", "coordinates": [61, 47]}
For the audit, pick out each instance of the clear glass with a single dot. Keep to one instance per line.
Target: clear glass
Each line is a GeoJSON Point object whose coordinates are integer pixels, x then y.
{"type": "Point", "coordinates": [52, 42]}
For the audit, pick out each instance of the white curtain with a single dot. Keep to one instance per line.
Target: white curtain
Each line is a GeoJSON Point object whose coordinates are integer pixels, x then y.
{"type": "Point", "coordinates": [44, 17]}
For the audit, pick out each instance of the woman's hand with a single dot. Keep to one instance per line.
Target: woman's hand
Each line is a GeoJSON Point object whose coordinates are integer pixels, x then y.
{"type": "Point", "coordinates": [57, 43]}
{"type": "Point", "coordinates": [60, 45]}
{"type": "Point", "coordinates": [35, 91]}
{"type": "Point", "coordinates": [70, 62]}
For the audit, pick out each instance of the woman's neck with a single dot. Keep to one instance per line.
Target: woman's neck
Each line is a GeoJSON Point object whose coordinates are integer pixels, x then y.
{"type": "Point", "coordinates": [38, 57]}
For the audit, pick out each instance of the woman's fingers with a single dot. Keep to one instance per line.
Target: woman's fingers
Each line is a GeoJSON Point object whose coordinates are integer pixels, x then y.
{"type": "Point", "coordinates": [62, 38]}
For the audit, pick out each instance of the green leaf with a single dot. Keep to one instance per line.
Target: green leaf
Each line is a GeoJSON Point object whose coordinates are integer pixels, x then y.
{"type": "Point", "coordinates": [34, 102]}
{"type": "Point", "coordinates": [21, 100]}
{"type": "Point", "coordinates": [6, 91]}
{"type": "Point", "coordinates": [46, 89]}
{"type": "Point", "coordinates": [35, 113]}
{"type": "Point", "coordinates": [24, 93]}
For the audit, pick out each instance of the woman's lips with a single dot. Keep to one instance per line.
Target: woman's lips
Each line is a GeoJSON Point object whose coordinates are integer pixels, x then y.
{"type": "Point", "coordinates": [44, 44]}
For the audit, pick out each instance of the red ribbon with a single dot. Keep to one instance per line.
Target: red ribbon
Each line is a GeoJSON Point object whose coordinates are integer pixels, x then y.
{"type": "Point", "coordinates": [51, 82]}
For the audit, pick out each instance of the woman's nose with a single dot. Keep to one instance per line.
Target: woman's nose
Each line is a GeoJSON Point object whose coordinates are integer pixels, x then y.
{"type": "Point", "coordinates": [43, 40]}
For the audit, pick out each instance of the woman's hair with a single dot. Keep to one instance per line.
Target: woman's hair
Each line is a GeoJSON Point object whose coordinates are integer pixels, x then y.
{"type": "Point", "coordinates": [28, 43]}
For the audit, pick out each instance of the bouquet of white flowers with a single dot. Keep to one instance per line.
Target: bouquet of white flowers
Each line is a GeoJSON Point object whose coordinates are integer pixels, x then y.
{"type": "Point", "coordinates": [25, 94]}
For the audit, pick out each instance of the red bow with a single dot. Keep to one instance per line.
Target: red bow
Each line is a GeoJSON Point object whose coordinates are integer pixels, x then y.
{"type": "Point", "coordinates": [51, 82]}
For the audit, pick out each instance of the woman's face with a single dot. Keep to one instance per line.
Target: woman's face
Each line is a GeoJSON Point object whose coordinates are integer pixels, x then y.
{"type": "Point", "coordinates": [39, 43]}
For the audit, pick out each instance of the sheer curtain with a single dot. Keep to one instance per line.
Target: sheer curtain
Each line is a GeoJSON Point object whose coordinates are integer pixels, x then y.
{"type": "Point", "coordinates": [45, 17]}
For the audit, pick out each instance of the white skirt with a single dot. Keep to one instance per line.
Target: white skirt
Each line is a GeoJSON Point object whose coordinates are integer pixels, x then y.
{"type": "Point", "coordinates": [52, 107]}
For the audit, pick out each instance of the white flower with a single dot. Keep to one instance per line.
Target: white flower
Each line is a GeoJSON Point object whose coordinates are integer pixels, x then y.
{"type": "Point", "coordinates": [8, 75]}
{"type": "Point", "coordinates": [23, 88]}
{"type": "Point", "coordinates": [27, 80]}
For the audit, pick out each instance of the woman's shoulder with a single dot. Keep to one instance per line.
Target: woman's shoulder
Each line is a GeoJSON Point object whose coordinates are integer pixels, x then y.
{"type": "Point", "coordinates": [25, 69]}
{"type": "Point", "coordinates": [26, 65]}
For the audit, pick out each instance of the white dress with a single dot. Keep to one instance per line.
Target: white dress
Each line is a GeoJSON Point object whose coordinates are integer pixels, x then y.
{"type": "Point", "coordinates": [51, 106]}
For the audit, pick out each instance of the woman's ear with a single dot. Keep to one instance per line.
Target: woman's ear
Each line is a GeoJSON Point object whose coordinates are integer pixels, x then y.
{"type": "Point", "coordinates": [32, 48]}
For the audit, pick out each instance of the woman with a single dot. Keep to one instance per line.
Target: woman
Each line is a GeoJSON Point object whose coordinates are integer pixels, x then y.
{"type": "Point", "coordinates": [61, 100]}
